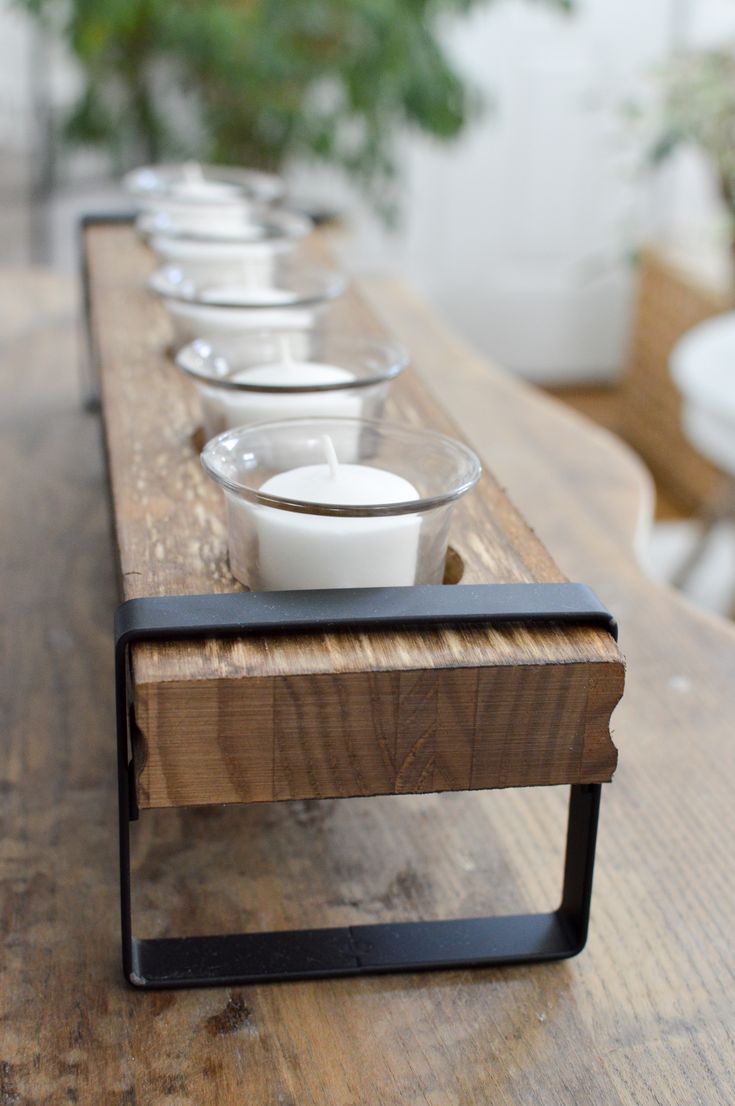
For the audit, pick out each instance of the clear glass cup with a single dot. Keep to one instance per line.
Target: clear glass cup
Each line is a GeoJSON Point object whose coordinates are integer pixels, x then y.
{"type": "Point", "coordinates": [248, 241]}
{"type": "Point", "coordinates": [280, 375]}
{"type": "Point", "coordinates": [217, 310]}
{"type": "Point", "coordinates": [296, 520]}
{"type": "Point", "coordinates": [199, 196]}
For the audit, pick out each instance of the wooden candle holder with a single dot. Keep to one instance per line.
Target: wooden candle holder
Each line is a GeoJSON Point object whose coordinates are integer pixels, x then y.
{"type": "Point", "coordinates": [506, 679]}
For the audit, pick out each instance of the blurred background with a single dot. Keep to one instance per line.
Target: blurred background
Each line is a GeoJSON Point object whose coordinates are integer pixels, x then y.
{"type": "Point", "coordinates": [556, 178]}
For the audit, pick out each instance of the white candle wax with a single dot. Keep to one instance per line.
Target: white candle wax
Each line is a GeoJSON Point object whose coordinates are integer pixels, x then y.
{"type": "Point", "coordinates": [199, 320]}
{"type": "Point", "coordinates": [210, 259]}
{"type": "Point", "coordinates": [320, 551]}
{"type": "Point", "coordinates": [193, 185]}
{"type": "Point", "coordinates": [210, 191]}
{"type": "Point", "coordinates": [196, 203]}
{"type": "Point", "coordinates": [245, 293]}
{"type": "Point", "coordinates": [216, 218]}
{"type": "Point", "coordinates": [224, 409]}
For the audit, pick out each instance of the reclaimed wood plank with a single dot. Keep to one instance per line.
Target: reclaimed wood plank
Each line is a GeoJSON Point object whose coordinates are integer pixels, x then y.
{"type": "Point", "coordinates": [172, 540]}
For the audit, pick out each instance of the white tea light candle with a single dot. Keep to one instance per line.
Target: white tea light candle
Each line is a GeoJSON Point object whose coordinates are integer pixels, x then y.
{"type": "Point", "coordinates": [223, 409]}
{"type": "Point", "coordinates": [292, 375]}
{"type": "Point", "coordinates": [201, 197]}
{"type": "Point", "coordinates": [245, 293]}
{"type": "Point", "coordinates": [270, 395]}
{"type": "Point", "coordinates": [199, 309]}
{"type": "Point", "coordinates": [236, 308]}
{"type": "Point", "coordinates": [211, 258]}
{"type": "Point", "coordinates": [298, 551]}
{"type": "Point", "coordinates": [247, 241]}
{"type": "Point", "coordinates": [193, 185]}
{"type": "Point", "coordinates": [298, 519]}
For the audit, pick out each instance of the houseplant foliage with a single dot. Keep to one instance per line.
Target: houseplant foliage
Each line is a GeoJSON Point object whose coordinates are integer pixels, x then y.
{"type": "Point", "coordinates": [255, 82]}
{"type": "Point", "coordinates": [697, 107]}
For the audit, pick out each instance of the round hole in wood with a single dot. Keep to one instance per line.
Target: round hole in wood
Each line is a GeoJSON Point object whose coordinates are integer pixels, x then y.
{"type": "Point", "coordinates": [453, 567]}
{"type": "Point", "coordinates": [198, 441]}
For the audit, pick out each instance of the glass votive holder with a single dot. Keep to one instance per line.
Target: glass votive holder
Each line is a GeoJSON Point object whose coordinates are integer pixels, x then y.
{"type": "Point", "coordinates": [294, 298]}
{"type": "Point", "coordinates": [299, 517]}
{"type": "Point", "coordinates": [200, 197]}
{"type": "Point", "coordinates": [249, 244]}
{"type": "Point", "coordinates": [282, 376]}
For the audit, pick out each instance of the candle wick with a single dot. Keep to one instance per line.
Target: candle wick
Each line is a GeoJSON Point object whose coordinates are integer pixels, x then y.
{"type": "Point", "coordinates": [330, 455]}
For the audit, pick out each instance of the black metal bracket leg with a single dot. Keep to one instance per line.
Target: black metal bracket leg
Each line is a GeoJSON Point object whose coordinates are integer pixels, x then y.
{"type": "Point", "coordinates": [354, 950]}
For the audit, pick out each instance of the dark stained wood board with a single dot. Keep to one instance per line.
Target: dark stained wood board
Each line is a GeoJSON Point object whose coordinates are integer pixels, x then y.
{"type": "Point", "coordinates": [246, 721]}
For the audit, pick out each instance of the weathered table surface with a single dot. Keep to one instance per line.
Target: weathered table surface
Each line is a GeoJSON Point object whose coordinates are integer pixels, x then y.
{"type": "Point", "coordinates": [645, 1015]}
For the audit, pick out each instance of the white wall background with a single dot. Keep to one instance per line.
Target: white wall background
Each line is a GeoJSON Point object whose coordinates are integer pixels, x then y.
{"type": "Point", "coordinates": [521, 233]}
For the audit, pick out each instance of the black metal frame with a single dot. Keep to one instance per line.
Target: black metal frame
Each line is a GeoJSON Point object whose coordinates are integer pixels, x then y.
{"type": "Point", "coordinates": [353, 950]}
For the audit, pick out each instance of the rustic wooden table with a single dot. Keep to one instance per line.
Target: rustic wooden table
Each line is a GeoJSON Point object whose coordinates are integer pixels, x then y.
{"type": "Point", "coordinates": [645, 1015]}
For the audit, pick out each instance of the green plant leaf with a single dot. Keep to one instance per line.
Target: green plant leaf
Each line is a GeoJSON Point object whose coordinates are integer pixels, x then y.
{"type": "Point", "coordinates": [259, 82]}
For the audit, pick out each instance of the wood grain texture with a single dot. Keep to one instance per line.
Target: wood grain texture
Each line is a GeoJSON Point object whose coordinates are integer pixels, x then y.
{"type": "Point", "coordinates": [644, 1017]}
{"type": "Point", "coordinates": [212, 729]}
